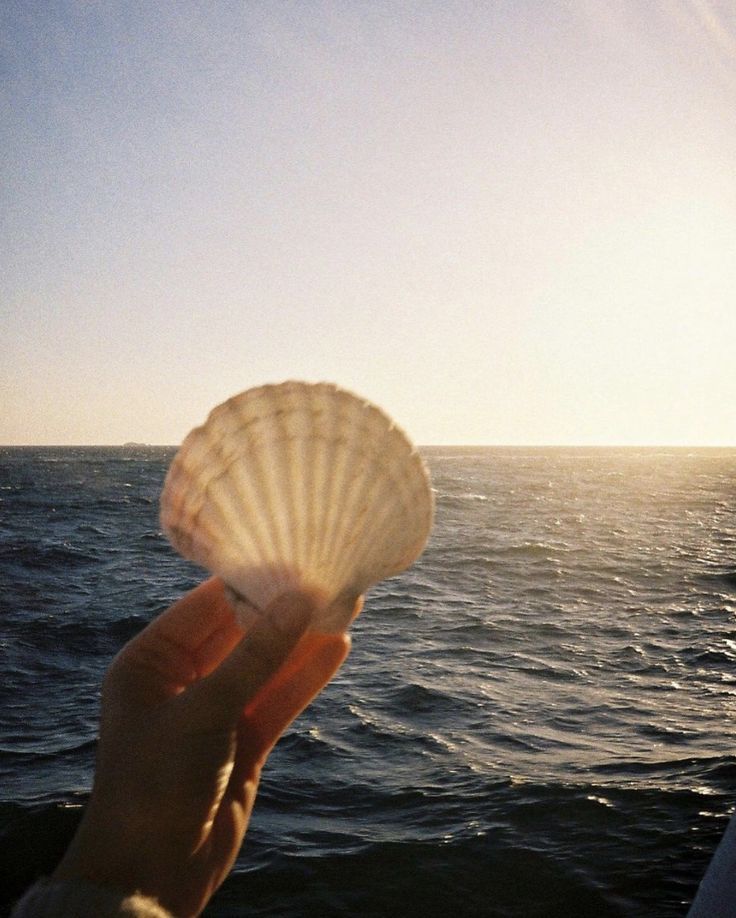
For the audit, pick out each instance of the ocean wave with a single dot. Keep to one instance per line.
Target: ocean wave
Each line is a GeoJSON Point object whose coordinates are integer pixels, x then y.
{"type": "Point", "coordinates": [42, 749]}
{"type": "Point", "coordinates": [48, 555]}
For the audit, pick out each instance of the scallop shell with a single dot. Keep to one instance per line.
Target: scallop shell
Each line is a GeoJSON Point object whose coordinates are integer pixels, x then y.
{"type": "Point", "coordinates": [298, 486]}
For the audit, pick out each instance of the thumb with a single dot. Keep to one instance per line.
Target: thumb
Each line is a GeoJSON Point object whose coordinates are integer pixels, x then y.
{"type": "Point", "coordinates": [257, 657]}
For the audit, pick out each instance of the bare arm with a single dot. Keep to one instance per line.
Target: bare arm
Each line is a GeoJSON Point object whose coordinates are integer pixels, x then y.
{"type": "Point", "coordinates": [191, 708]}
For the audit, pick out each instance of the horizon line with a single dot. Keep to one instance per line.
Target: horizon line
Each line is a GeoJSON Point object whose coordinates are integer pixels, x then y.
{"type": "Point", "coordinates": [131, 444]}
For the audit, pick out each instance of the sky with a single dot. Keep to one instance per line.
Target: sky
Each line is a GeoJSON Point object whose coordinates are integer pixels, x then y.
{"type": "Point", "coordinates": [505, 222]}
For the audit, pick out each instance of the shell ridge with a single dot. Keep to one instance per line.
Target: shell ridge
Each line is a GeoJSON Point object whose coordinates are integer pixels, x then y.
{"type": "Point", "coordinates": [335, 472]}
{"type": "Point", "coordinates": [368, 542]}
{"type": "Point", "coordinates": [367, 466]}
{"type": "Point", "coordinates": [401, 514]}
{"type": "Point", "coordinates": [346, 534]}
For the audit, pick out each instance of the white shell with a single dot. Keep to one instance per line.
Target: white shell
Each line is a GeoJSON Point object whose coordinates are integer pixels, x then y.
{"type": "Point", "coordinates": [298, 486]}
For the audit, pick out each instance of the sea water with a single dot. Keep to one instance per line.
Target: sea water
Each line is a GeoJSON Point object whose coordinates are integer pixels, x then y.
{"type": "Point", "coordinates": [537, 719]}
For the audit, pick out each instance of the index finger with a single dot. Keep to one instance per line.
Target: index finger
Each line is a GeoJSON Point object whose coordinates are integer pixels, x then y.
{"type": "Point", "coordinates": [200, 628]}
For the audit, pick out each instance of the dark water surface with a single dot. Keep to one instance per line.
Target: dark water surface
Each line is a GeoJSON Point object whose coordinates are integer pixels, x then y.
{"type": "Point", "coordinates": [538, 719]}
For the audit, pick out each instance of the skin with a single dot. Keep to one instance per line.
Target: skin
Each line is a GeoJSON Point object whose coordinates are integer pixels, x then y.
{"type": "Point", "coordinates": [191, 709]}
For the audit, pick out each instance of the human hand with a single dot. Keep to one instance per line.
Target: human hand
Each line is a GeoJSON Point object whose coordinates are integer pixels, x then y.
{"type": "Point", "coordinates": [190, 711]}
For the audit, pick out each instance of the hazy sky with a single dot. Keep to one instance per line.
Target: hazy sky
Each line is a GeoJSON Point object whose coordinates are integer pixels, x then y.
{"type": "Point", "coordinates": [505, 222]}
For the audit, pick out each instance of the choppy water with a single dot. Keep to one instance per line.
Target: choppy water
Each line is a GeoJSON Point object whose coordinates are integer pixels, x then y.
{"type": "Point", "coordinates": [538, 719]}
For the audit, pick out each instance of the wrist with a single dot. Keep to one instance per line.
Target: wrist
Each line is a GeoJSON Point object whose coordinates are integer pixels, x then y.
{"type": "Point", "coordinates": [104, 852]}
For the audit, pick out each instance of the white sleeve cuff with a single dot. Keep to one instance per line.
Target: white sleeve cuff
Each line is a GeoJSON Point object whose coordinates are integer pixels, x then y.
{"type": "Point", "coordinates": [77, 899]}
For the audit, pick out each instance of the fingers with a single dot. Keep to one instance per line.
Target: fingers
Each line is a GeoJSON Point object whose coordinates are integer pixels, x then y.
{"type": "Point", "coordinates": [310, 667]}
{"type": "Point", "coordinates": [183, 644]}
{"type": "Point", "coordinates": [312, 664]}
{"type": "Point", "coordinates": [258, 656]}
{"type": "Point", "coordinates": [192, 620]}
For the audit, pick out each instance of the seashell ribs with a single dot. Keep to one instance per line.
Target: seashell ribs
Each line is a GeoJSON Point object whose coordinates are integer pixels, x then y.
{"type": "Point", "coordinates": [298, 486]}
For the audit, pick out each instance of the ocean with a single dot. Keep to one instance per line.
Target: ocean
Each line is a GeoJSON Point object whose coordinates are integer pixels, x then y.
{"type": "Point", "coordinates": [537, 719]}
